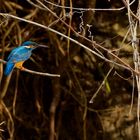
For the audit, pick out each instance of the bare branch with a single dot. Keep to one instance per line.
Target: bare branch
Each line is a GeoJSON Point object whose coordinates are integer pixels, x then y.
{"type": "Point", "coordinates": [35, 72]}
{"type": "Point", "coordinates": [88, 9]}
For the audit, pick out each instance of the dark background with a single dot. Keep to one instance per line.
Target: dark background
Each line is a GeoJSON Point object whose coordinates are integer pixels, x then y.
{"type": "Point", "coordinates": [50, 108]}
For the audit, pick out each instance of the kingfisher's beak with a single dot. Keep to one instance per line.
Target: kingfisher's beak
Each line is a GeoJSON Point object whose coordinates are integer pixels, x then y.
{"type": "Point", "coordinates": [43, 46]}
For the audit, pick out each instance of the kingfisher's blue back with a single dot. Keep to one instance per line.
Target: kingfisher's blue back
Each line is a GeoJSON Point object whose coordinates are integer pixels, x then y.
{"type": "Point", "coordinates": [19, 54]}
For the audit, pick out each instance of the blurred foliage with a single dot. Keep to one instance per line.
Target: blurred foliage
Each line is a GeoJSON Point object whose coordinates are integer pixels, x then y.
{"type": "Point", "coordinates": [42, 108]}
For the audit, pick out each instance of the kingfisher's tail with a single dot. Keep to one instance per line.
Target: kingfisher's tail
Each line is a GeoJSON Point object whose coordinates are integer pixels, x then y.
{"type": "Point", "coordinates": [8, 69]}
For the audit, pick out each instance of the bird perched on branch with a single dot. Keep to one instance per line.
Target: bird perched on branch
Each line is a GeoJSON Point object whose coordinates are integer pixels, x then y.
{"type": "Point", "coordinates": [19, 55]}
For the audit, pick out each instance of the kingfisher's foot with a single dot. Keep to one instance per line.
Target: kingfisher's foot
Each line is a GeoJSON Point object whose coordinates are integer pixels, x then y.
{"type": "Point", "coordinates": [22, 68]}
{"type": "Point", "coordinates": [19, 65]}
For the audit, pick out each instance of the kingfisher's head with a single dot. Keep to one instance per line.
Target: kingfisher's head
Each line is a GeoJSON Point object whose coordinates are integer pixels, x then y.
{"type": "Point", "coordinates": [32, 45]}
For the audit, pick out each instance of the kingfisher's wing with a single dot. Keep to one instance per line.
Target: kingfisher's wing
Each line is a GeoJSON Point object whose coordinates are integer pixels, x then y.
{"type": "Point", "coordinates": [19, 54]}
{"type": "Point", "coordinates": [12, 52]}
{"type": "Point", "coordinates": [20, 57]}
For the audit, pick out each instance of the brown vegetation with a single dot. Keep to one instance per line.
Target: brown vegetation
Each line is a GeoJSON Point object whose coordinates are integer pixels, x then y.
{"type": "Point", "coordinates": [95, 53]}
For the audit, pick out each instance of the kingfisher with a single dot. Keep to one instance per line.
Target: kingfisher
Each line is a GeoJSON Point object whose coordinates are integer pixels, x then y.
{"type": "Point", "coordinates": [19, 55]}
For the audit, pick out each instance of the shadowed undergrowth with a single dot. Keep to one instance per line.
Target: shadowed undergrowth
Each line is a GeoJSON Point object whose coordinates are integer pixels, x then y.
{"type": "Point", "coordinates": [38, 107]}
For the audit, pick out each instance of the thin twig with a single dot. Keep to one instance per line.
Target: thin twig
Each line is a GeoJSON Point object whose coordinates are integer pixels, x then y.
{"type": "Point", "coordinates": [10, 122]}
{"type": "Point", "coordinates": [88, 9]}
{"type": "Point", "coordinates": [40, 73]}
{"type": "Point", "coordinates": [15, 94]}
{"type": "Point", "coordinates": [95, 94]}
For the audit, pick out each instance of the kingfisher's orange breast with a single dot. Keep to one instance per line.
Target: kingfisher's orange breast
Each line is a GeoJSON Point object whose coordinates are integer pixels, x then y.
{"type": "Point", "coordinates": [19, 64]}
